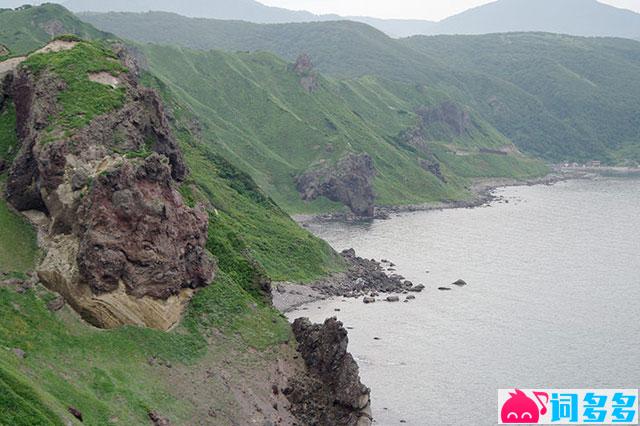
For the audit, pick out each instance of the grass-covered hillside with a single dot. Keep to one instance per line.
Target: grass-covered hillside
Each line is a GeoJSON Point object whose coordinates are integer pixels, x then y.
{"type": "Point", "coordinates": [26, 29]}
{"type": "Point", "coordinates": [254, 109]}
{"type": "Point", "coordinates": [571, 98]}
{"type": "Point", "coordinates": [219, 363]}
{"type": "Point", "coordinates": [586, 89]}
{"type": "Point", "coordinates": [339, 48]}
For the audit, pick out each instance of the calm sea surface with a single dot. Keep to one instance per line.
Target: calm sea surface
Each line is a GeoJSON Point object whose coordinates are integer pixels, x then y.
{"type": "Point", "coordinates": [553, 301]}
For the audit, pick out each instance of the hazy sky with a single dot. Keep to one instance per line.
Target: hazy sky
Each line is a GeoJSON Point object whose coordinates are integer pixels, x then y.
{"type": "Point", "coordinates": [416, 9]}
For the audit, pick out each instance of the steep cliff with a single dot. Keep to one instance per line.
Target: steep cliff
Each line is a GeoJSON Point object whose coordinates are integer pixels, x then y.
{"type": "Point", "coordinates": [350, 182]}
{"type": "Point", "coordinates": [98, 158]}
{"type": "Point", "coordinates": [127, 233]}
{"type": "Point", "coordinates": [330, 391]}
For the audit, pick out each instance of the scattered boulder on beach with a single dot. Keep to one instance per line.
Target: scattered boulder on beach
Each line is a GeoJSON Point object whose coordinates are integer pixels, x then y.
{"type": "Point", "coordinates": [410, 297]}
{"type": "Point", "coordinates": [368, 300]}
{"type": "Point", "coordinates": [460, 283]}
{"type": "Point", "coordinates": [393, 299]}
{"type": "Point", "coordinates": [416, 289]}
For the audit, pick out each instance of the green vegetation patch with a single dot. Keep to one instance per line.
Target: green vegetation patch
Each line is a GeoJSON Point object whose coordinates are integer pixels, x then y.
{"type": "Point", "coordinates": [21, 404]}
{"type": "Point", "coordinates": [118, 374]}
{"type": "Point", "coordinates": [25, 29]}
{"type": "Point", "coordinates": [248, 233]}
{"type": "Point", "coordinates": [253, 110]}
{"type": "Point", "coordinates": [8, 135]}
{"type": "Point", "coordinates": [226, 306]}
{"type": "Point", "coordinates": [18, 246]}
{"type": "Point", "coordinates": [82, 99]}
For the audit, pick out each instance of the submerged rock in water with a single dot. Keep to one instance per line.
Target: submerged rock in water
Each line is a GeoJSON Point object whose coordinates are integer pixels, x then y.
{"type": "Point", "coordinates": [444, 288]}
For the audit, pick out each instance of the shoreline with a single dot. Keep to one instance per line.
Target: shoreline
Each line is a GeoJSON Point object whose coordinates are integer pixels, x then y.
{"type": "Point", "coordinates": [481, 190]}
{"type": "Point", "coordinates": [374, 281]}
{"type": "Point", "coordinates": [358, 281]}
{"type": "Point", "coordinates": [481, 193]}
{"type": "Point", "coordinates": [369, 278]}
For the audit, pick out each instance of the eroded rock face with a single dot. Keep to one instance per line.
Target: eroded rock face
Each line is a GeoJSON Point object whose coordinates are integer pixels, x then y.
{"type": "Point", "coordinates": [121, 246]}
{"type": "Point", "coordinates": [434, 168]}
{"type": "Point", "coordinates": [449, 113]}
{"type": "Point", "coordinates": [53, 27]}
{"type": "Point", "coordinates": [134, 229]}
{"type": "Point", "coordinates": [349, 182]}
{"type": "Point", "coordinates": [303, 67]}
{"type": "Point", "coordinates": [331, 392]}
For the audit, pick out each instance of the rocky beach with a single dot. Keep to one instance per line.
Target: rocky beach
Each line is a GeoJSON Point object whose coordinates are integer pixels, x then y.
{"type": "Point", "coordinates": [366, 278]}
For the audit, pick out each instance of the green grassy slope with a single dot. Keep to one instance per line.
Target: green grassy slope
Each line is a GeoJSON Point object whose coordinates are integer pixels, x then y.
{"type": "Point", "coordinates": [340, 48]}
{"type": "Point", "coordinates": [107, 375]}
{"type": "Point", "coordinates": [27, 29]}
{"type": "Point", "coordinates": [586, 87]}
{"type": "Point", "coordinates": [254, 110]}
{"type": "Point", "coordinates": [229, 326]}
{"type": "Point", "coordinates": [18, 248]}
{"type": "Point", "coordinates": [558, 97]}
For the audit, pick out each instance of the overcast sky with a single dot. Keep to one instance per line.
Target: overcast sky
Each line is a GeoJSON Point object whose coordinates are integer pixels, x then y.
{"type": "Point", "coordinates": [433, 10]}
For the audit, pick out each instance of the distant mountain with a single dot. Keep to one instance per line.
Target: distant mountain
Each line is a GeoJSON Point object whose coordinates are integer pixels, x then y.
{"type": "Point", "coordinates": [574, 17]}
{"type": "Point", "coordinates": [397, 27]}
{"type": "Point", "coordinates": [245, 10]}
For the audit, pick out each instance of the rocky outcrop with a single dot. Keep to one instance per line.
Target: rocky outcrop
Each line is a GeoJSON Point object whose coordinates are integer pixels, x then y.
{"type": "Point", "coordinates": [350, 182]}
{"type": "Point", "coordinates": [433, 167]}
{"type": "Point", "coordinates": [135, 230]}
{"type": "Point", "coordinates": [309, 78]}
{"type": "Point", "coordinates": [121, 246]}
{"type": "Point", "coordinates": [53, 27]}
{"type": "Point", "coordinates": [363, 277]}
{"type": "Point", "coordinates": [449, 113]}
{"type": "Point", "coordinates": [330, 392]}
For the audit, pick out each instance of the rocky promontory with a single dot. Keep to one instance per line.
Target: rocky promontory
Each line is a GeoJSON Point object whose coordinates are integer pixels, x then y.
{"type": "Point", "coordinates": [349, 181]}
{"type": "Point", "coordinates": [120, 244]}
{"type": "Point", "coordinates": [330, 391]}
